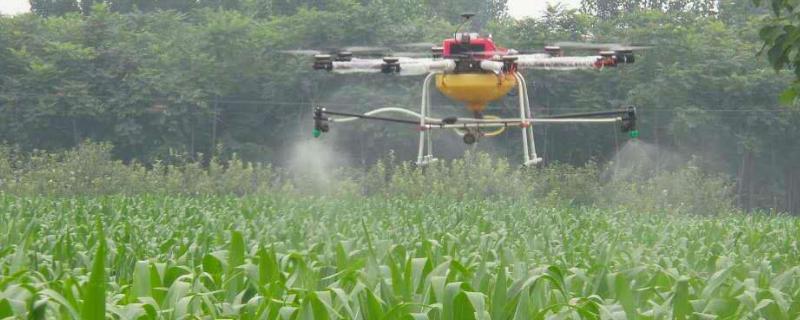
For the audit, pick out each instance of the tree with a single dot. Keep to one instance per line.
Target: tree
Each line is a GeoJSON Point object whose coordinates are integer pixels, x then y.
{"type": "Point", "coordinates": [86, 6]}
{"type": "Point", "coordinates": [207, 76]}
{"type": "Point", "coordinates": [47, 8]}
{"type": "Point", "coordinates": [614, 8]}
{"type": "Point", "coordinates": [781, 36]}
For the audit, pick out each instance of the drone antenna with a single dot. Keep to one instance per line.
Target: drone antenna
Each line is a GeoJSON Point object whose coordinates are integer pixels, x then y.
{"type": "Point", "coordinates": [467, 16]}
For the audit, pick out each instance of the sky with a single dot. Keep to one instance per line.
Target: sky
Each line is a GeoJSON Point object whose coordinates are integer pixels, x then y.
{"type": "Point", "coordinates": [14, 6]}
{"type": "Point", "coordinates": [517, 8]}
{"type": "Point", "coordinates": [528, 8]}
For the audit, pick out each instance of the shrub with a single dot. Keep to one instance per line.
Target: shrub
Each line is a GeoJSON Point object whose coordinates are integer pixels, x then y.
{"type": "Point", "coordinates": [90, 170]}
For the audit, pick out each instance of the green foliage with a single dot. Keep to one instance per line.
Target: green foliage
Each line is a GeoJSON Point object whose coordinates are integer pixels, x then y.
{"type": "Point", "coordinates": [615, 8]}
{"type": "Point", "coordinates": [158, 78]}
{"type": "Point", "coordinates": [90, 170]}
{"type": "Point", "coordinates": [781, 36]}
{"type": "Point", "coordinates": [280, 256]}
{"type": "Point", "coordinates": [48, 8]}
{"type": "Point", "coordinates": [94, 305]}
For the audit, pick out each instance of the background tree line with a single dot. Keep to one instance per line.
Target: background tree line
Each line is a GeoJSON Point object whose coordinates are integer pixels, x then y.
{"type": "Point", "coordinates": [159, 77]}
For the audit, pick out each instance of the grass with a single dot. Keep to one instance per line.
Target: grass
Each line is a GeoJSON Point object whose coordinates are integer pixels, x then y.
{"type": "Point", "coordinates": [283, 256]}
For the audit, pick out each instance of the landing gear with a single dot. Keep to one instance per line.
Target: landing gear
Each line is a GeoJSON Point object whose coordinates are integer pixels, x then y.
{"type": "Point", "coordinates": [471, 135]}
{"type": "Point", "coordinates": [473, 129]}
{"type": "Point", "coordinates": [425, 152]}
{"type": "Point", "coordinates": [528, 145]}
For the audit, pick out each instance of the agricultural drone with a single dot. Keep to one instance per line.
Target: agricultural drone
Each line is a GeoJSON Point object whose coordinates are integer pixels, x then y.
{"type": "Point", "coordinates": [470, 68]}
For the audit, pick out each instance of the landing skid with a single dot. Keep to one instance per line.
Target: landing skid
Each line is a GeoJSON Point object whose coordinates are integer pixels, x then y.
{"type": "Point", "coordinates": [526, 120]}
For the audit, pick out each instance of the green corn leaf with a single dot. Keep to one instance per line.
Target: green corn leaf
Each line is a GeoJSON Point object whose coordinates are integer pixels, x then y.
{"type": "Point", "coordinates": [268, 268]}
{"type": "Point", "coordinates": [625, 296]}
{"type": "Point", "coordinates": [371, 306]}
{"type": "Point", "coordinates": [212, 265]}
{"type": "Point", "coordinates": [716, 280]}
{"type": "Point", "coordinates": [288, 313]}
{"type": "Point", "coordinates": [681, 308]}
{"type": "Point", "coordinates": [5, 309]}
{"type": "Point", "coordinates": [94, 300]}
{"type": "Point", "coordinates": [62, 302]}
{"type": "Point", "coordinates": [416, 316]}
{"type": "Point", "coordinates": [724, 308]}
{"type": "Point", "coordinates": [236, 251]}
{"type": "Point", "coordinates": [449, 309]}
{"type": "Point", "coordinates": [462, 308]}
{"type": "Point", "coordinates": [499, 298]}
{"type": "Point", "coordinates": [478, 302]}
{"type": "Point", "coordinates": [141, 280]}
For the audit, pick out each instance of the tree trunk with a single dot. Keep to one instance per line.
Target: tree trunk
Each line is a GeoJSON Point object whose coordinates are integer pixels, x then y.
{"type": "Point", "coordinates": [792, 176]}
{"type": "Point", "coordinates": [214, 117]}
{"type": "Point", "coordinates": [745, 182]}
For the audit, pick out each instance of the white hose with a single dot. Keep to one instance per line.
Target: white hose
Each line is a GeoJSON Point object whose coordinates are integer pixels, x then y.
{"type": "Point", "coordinates": [387, 110]}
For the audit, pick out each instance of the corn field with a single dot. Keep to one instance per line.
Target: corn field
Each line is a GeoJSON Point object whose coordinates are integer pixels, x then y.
{"type": "Point", "coordinates": [302, 257]}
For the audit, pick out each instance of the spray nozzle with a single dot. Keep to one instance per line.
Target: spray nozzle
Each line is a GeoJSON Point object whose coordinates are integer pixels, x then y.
{"type": "Point", "coordinates": [629, 122]}
{"type": "Point", "coordinates": [320, 123]}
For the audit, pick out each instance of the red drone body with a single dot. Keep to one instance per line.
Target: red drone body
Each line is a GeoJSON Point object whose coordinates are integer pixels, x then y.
{"type": "Point", "coordinates": [471, 44]}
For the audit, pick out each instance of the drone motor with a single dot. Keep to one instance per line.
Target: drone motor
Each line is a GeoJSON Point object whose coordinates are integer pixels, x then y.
{"type": "Point", "coordinates": [437, 52]}
{"type": "Point", "coordinates": [554, 51]}
{"type": "Point", "coordinates": [625, 56]}
{"type": "Point", "coordinates": [344, 56]}
{"type": "Point", "coordinates": [390, 65]}
{"type": "Point", "coordinates": [323, 62]}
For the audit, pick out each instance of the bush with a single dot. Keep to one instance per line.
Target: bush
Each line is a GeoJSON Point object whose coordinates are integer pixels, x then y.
{"type": "Point", "coordinates": [90, 170]}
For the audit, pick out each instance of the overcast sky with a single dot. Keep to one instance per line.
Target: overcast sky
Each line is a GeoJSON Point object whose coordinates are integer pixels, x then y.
{"type": "Point", "coordinates": [527, 8]}
{"type": "Point", "coordinates": [14, 6]}
{"type": "Point", "coordinates": [518, 8]}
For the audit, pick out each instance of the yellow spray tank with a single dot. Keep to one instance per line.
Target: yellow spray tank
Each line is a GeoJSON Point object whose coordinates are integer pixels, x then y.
{"type": "Point", "coordinates": [476, 90]}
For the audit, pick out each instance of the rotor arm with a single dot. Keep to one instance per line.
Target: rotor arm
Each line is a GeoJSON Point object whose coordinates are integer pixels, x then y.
{"type": "Point", "coordinates": [493, 66]}
{"type": "Point", "coordinates": [357, 65]}
{"type": "Point", "coordinates": [557, 63]}
{"type": "Point", "coordinates": [414, 67]}
{"type": "Point", "coordinates": [403, 66]}
{"type": "Point", "coordinates": [605, 59]}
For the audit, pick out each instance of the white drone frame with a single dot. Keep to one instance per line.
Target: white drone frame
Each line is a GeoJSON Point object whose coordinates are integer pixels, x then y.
{"type": "Point", "coordinates": [526, 120]}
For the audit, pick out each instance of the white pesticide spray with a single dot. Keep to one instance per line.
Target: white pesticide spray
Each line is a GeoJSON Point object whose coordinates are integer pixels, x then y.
{"type": "Point", "coordinates": [638, 161]}
{"type": "Point", "coordinates": [314, 162]}
{"type": "Point", "coordinates": [644, 173]}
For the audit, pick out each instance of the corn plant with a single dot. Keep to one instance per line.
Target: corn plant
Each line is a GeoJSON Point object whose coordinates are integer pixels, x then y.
{"type": "Point", "coordinates": [292, 257]}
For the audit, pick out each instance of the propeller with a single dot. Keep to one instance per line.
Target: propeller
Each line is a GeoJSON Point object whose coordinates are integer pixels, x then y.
{"type": "Point", "coordinates": [409, 54]}
{"type": "Point", "coordinates": [600, 46]}
{"type": "Point", "coordinates": [424, 48]}
{"type": "Point", "coordinates": [352, 49]}
{"type": "Point", "coordinates": [405, 50]}
{"type": "Point", "coordinates": [552, 51]}
{"type": "Point", "coordinates": [416, 45]}
{"type": "Point", "coordinates": [302, 52]}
